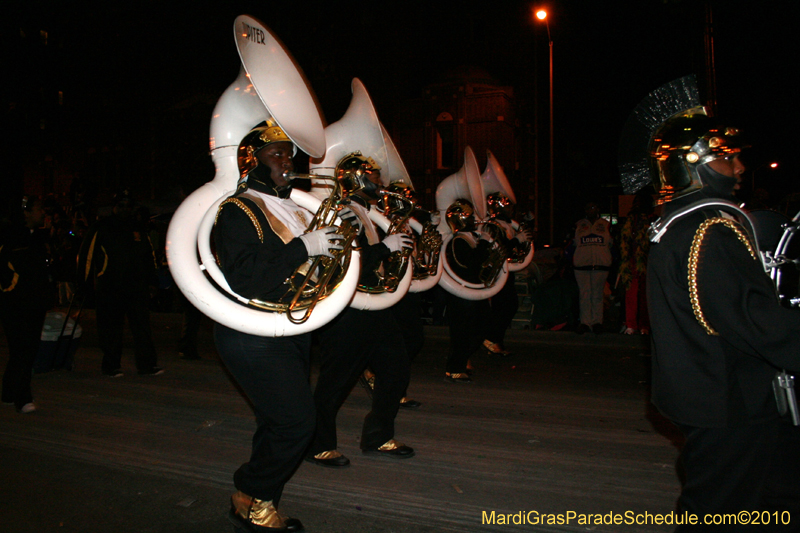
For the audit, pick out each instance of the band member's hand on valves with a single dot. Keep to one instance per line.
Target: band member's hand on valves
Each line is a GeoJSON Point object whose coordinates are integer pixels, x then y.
{"type": "Point", "coordinates": [397, 241]}
{"type": "Point", "coordinates": [322, 241]}
{"type": "Point", "coordinates": [524, 236]}
{"type": "Point", "coordinates": [347, 214]}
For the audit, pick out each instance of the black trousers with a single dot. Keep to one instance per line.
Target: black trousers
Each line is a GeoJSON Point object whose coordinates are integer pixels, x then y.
{"type": "Point", "coordinates": [353, 341]}
{"type": "Point", "coordinates": [465, 318]}
{"type": "Point", "coordinates": [745, 468]}
{"type": "Point", "coordinates": [112, 308]}
{"type": "Point", "coordinates": [273, 373]}
{"type": "Point", "coordinates": [24, 332]}
{"type": "Point", "coordinates": [502, 308]}
{"type": "Point", "coordinates": [190, 327]}
{"type": "Point", "coordinates": [408, 315]}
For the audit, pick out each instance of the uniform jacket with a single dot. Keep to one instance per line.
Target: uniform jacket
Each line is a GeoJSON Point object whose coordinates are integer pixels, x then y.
{"type": "Point", "coordinates": [256, 249]}
{"type": "Point", "coordinates": [722, 380]}
{"type": "Point", "coordinates": [118, 256]}
{"type": "Point", "coordinates": [25, 281]}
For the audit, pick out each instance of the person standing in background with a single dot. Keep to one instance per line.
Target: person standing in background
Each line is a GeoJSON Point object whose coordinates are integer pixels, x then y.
{"type": "Point", "coordinates": [592, 261]}
{"type": "Point", "coordinates": [26, 293]}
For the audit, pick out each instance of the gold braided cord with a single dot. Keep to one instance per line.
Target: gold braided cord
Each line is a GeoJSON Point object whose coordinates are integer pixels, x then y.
{"type": "Point", "coordinates": [694, 257]}
{"type": "Point", "coordinates": [247, 211]}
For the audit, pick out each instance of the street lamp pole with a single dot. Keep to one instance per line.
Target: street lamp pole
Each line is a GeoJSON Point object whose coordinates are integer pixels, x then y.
{"type": "Point", "coordinates": [542, 15]}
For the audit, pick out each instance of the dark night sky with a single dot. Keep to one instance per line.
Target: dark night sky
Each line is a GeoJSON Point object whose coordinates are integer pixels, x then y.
{"type": "Point", "coordinates": [135, 56]}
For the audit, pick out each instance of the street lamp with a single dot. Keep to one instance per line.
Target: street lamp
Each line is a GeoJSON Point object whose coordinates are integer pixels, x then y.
{"type": "Point", "coordinates": [542, 15]}
{"type": "Point", "coordinates": [772, 165]}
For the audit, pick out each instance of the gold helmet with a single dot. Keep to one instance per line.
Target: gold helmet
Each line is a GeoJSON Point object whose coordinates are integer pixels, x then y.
{"type": "Point", "coordinates": [683, 143]}
{"type": "Point", "coordinates": [498, 203]}
{"type": "Point", "coordinates": [390, 202]}
{"type": "Point", "coordinates": [460, 216]}
{"type": "Point", "coordinates": [259, 137]}
{"type": "Point", "coordinates": [354, 171]}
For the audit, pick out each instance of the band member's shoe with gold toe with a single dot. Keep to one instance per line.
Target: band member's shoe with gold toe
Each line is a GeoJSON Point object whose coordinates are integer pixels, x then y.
{"type": "Point", "coordinates": [367, 380]}
{"type": "Point", "coordinates": [329, 459]}
{"type": "Point", "coordinates": [460, 377]}
{"type": "Point", "coordinates": [392, 448]}
{"type": "Point", "coordinates": [495, 349]}
{"type": "Point", "coordinates": [408, 403]}
{"type": "Point", "coordinates": [251, 515]}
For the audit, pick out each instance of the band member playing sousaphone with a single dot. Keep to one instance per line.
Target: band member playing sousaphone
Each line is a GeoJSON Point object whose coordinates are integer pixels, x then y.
{"type": "Point", "coordinates": [428, 243]}
{"type": "Point", "coordinates": [268, 251]}
{"type": "Point", "coordinates": [467, 252]}
{"type": "Point", "coordinates": [361, 338]}
{"type": "Point", "coordinates": [474, 262]}
{"type": "Point", "coordinates": [365, 334]}
{"type": "Point", "coordinates": [260, 241]}
{"type": "Point", "coordinates": [518, 242]}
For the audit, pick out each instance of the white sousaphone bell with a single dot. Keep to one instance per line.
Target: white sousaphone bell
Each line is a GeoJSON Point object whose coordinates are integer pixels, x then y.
{"type": "Point", "coordinates": [465, 184]}
{"type": "Point", "coordinates": [270, 85]}
{"type": "Point", "coordinates": [360, 130]}
{"type": "Point", "coordinates": [495, 181]}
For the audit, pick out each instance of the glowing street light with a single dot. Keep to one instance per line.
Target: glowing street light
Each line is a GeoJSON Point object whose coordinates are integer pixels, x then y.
{"type": "Point", "coordinates": [542, 15]}
{"type": "Point", "coordinates": [772, 165]}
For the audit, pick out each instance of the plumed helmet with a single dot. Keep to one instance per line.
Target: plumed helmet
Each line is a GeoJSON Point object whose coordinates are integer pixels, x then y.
{"type": "Point", "coordinates": [684, 142]}
{"type": "Point", "coordinates": [460, 216]}
{"type": "Point", "coordinates": [498, 204]}
{"type": "Point", "coordinates": [259, 137]}
{"type": "Point", "coordinates": [353, 172]}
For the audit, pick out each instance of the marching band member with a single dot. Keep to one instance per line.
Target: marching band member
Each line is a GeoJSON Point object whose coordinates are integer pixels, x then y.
{"type": "Point", "coordinates": [260, 240]}
{"type": "Point", "coordinates": [719, 332]}
{"type": "Point", "coordinates": [464, 317]}
{"type": "Point", "coordinates": [503, 305]}
{"type": "Point", "coordinates": [358, 339]}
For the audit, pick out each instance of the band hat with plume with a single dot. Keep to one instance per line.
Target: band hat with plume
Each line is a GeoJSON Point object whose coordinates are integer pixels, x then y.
{"type": "Point", "coordinates": [648, 116]}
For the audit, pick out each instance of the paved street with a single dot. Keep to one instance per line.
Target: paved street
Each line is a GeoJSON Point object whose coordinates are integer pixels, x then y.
{"type": "Point", "coordinates": [561, 426]}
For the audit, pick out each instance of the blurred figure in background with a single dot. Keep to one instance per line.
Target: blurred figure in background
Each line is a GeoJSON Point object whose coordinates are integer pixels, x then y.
{"type": "Point", "coordinates": [26, 293]}
{"type": "Point", "coordinates": [117, 257]}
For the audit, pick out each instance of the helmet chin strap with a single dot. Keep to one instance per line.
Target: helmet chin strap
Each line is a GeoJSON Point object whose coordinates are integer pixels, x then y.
{"type": "Point", "coordinates": [260, 179]}
{"type": "Point", "coordinates": [717, 184]}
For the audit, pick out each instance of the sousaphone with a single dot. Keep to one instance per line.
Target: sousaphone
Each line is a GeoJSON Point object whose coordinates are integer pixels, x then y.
{"type": "Point", "coordinates": [495, 181]}
{"type": "Point", "coordinates": [360, 130]}
{"type": "Point", "coordinates": [270, 85]}
{"type": "Point", "coordinates": [466, 184]}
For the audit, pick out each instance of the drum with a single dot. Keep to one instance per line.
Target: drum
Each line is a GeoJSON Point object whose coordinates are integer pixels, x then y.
{"type": "Point", "coordinates": [786, 273]}
{"type": "Point", "coordinates": [781, 252]}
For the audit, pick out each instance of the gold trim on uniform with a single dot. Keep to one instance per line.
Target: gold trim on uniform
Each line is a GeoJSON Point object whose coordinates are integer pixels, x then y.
{"type": "Point", "coordinates": [694, 259]}
{"type": "Point", "coordinates": [247, 211]}
{"type": "Point", "coordinates": [14, 278]}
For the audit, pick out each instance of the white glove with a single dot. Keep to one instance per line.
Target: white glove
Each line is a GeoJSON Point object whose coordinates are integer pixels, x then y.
{"type": "Point", "coordinates": [322, 241]}
{"type": "Point", "coordinates": [524, 236]}
{"type": "Point", "coordinates": [355, 221]}
{"type": "Point", "coordinates": [397, 242]}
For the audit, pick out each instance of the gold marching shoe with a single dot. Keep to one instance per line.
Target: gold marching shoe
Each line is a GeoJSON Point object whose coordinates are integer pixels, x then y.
{"type": "Point", "coordinates": [495, 349]}
{"type": "Point", "coordinates": [252, 515]}
{"type": "Point", "coordinates": [391, 448]}
{"type": "Point", "coordinates": [408, 403]}
{"type": "Point", "coordinates": [367, 380]}
{"type": "Point", "coordinates": [459, 377]}
{"type": "Point", "coordinates": [329, 459]}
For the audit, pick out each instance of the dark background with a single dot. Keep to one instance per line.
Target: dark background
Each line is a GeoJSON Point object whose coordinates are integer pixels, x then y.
{"type": "Point", "coordinates": [139, 79]}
